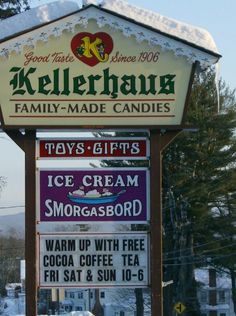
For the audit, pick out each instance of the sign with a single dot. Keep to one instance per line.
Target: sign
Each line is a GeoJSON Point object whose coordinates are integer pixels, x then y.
{"type": "Point", "coordinates": [101, 195]}
{"type": "Point", "coordinates": [94, 260]}
{"type": "Point", "coordinates": [90, 78]}
{"type": "Point", "coordinates": [179, 308]}
{"type": "Point", "coordinates": [108, 148]}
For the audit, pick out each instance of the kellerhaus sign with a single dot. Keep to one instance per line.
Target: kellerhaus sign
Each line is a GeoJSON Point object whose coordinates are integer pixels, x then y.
{"type": "Point", "coordinates": [97, 67]}
{"type": "Point", "coordinates": [105, 66]}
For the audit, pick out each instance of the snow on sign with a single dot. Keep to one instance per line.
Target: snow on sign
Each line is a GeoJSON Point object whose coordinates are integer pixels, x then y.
{"type": "Point", "coordinates": [94, 260]}
{"type": "Point", "coordinates": [86, 77]}
{"type": "Point", "coordinates": [109, 148]}
{"type": "Point", "coordinates": [87, 195]}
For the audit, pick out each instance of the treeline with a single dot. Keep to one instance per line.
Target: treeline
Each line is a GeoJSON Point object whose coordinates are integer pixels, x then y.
{"type": "Point", "coordinates": [199, 194]}
{"type": "Point", "coordinates": [12, 7]}
{"type": "Point", "coordinates": [12, 250]}
{"type": "Point", "coordinates": [11, 245]}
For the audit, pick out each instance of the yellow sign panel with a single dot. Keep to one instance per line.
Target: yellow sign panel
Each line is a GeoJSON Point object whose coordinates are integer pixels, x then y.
{"type": "Point", "coordinates": [179, 308]}
{"type": "Point", "coordinates": [92, 78]}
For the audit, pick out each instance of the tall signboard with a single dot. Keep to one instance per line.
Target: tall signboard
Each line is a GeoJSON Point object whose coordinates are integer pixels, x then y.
{"type": "Point", "coordinates": [96, 69]}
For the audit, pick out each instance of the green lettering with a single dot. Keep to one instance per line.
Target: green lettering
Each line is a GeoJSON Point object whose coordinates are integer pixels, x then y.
{"type": "Point", "coordinates": [129, 85]}
{"type": "Point", "coordinates": [60, 82]}
{"type": "Point", "coordinates": [66, 90]}
{"type": "Point", "coordinates": [56, 89]}
{"type": "Point", "coordinates": [44, 81]}
{"type": "Point", "coordinates": [167, 84]}
{"type": "Point", "coordinates": [114, 79]}
{"type": "Point", "coordinates": [92, 79]}
{"type": "Point", "coordinates": [20, 81]}
{"type": "Point", "coordinates": [77, 83]}
{"type": "Point", "coordinates": [143, 85]}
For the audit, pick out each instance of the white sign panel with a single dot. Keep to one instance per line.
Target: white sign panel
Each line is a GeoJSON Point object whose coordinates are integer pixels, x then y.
{"type": "Point", "coordinates": [94, 260]}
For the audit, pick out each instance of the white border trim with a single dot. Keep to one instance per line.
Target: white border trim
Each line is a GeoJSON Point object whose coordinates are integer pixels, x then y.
{"type": "Point", "coordinates": [115, 23]}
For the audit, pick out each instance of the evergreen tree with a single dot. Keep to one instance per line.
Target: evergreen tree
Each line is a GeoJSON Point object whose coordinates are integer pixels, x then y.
{"type": "Point", "coordinates": [12, 7]}
{"type": "Point", "coordinates": [199, 178]}
{"type": "Point", "coordinates": [139, 297]}
{"type": "Point", "coordinates": [199, 172]}
{"type": "Point", "coordinates": [222, 230]}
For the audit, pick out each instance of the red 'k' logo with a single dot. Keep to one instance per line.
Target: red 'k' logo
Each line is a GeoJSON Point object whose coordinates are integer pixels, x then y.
{"type": "Point", "coordinates": [92, 49]}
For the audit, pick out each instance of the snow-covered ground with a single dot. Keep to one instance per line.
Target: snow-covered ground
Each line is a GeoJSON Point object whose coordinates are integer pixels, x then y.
{"type": "Point", "coordinates": [15, 307]}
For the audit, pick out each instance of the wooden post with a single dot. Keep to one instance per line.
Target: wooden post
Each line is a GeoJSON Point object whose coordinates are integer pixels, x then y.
{"type": "Point", "coordinates": [30, 223]}
{"type": "Point", "coordinates": [27, 144]}
{"type": "Point", "coordinates": [156, 224]}
{"type": "Point", "coordinates": [98, 309]}
{"type": "Point", "coordinates": [158, 141]}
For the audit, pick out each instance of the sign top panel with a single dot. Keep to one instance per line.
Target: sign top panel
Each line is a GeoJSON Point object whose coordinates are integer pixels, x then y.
{"type": "Point", "coordinates": [90, 78]}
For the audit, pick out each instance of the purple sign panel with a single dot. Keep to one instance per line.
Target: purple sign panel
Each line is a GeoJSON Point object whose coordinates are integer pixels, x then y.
{"type": "Point", "coordinates": [94, 195]}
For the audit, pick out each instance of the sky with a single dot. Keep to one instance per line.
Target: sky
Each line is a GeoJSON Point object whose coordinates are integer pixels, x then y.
{"type": "Point", "coordinates": [216, 16]}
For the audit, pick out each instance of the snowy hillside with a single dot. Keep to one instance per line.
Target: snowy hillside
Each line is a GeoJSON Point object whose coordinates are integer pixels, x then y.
{"type": "Point", "coordinates": [9, 222]}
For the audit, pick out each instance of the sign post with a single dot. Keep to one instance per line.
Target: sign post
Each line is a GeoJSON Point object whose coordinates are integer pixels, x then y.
{"type": "Point", "coordinates": [27, 143]}
{"type": "Point", "coordinates": [61, 75]}
{"type": "Point", "coordinates": [30, 220]}
{"type": "Point", "coordinates": [158, 141]}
